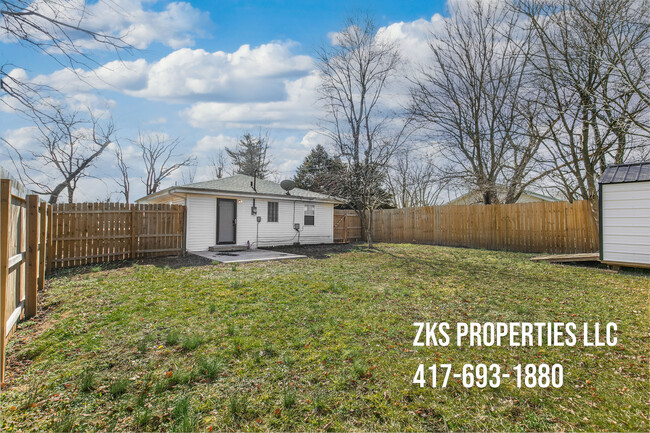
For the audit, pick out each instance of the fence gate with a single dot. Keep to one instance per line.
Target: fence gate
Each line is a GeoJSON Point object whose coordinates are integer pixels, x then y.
{"type": "Point", "coordinates": [347, 226]}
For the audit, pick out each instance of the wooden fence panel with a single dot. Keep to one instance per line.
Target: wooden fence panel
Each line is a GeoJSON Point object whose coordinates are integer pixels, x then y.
{"type": "Point", "coordinates": [22, 258]}
{"type": "Point", "coordinates": [552, 227]}
{"type": "Point", "coordinates": [89, 233]}
{"type": "Point", "coordinates": [347, 226]}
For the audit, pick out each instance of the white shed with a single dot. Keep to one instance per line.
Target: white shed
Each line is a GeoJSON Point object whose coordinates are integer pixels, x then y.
{"type": "Point", "coordinates": [624, 207]}
{"type": "Point", "coordinates": [240, 210]}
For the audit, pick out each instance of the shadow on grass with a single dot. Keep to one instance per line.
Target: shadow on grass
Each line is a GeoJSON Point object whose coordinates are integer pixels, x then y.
{"type": "Point", "coordinates": [171, 262]}
{"type": "Point", "coordinates": [322, 251]}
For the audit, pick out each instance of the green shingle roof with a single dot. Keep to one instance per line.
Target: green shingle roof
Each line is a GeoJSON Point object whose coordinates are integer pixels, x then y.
{"type": "Point", "coordinates": [242, 184]}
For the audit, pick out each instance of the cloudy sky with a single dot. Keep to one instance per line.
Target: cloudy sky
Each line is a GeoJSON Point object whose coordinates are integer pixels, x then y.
{"type": "Point", "coordinates": [206, 72]}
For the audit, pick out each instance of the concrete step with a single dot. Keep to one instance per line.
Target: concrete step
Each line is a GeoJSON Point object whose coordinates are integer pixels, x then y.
{"type": "Point", "coordinates": [225, 248]}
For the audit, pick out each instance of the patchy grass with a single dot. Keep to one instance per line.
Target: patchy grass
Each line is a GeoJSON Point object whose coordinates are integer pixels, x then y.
{"type": "Point", "coordinates": [321, 344]}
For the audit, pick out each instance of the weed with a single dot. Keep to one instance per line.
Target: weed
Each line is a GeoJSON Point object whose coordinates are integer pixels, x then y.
{"type": "Point", "coordinates": [144, 343]}
{"type": "Point", "coordinates": [184, 418]}
{"type": "Point", "coordinates": [269, 350]}
{"type": "Point", "coordinates": [180, 377]}
{"type": "Point", "coordinates": [287, 359]}
{"type": "Point", "coordinates": [87, 380]}
{"type": "Point", "coordinates": [212, 308]}
{"type": "Point", "coordinates": [288, 399]}
{"type": "Point", "coordinates": [173, 337]}
{"type": "Point", "coordinates": [33, 392]}
{"type": "Point", "coordinates": [66, 422]}
{"type": "Point", "coordinates": [96, 268]}
{"type": "Point", "coordinates": [237, 284]}
{"type": "Point", "coordinates": [230, 329]}
{"type": "Point", "coordinates": [237, 349]}
{"type": "Point", "coordinates": [191, 342]}
{"type": "Point", "coordinates": [142, 418]}
{"type": "Point", "coordinates": [234, 267]}
{"type": "Point", "coordinates": [320, 403]}
{"type": "Point", "coordinates": [118, 387]}
{"type": "Point", "coordinates": [211, 367]}
{"type": "Point", "coordinates": [360, 368]}
{"type": "Point", "coordinates": [237, 406]}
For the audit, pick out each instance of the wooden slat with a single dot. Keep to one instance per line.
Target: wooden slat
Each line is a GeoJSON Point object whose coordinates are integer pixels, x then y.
{"type": "Point", "coordinates": [31, 283]}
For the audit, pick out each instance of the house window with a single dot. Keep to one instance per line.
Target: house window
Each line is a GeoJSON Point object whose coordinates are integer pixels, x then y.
{"type": "Point", "coordinates": [273, 212]}
{"type": "Point", "coordinates": [309, 214]}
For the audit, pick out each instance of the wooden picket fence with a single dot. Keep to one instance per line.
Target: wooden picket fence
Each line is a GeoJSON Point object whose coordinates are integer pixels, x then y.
{"type": "Point", "coordinates": [347, 226]}
{"type": "Point", "coordinates": [36, 238]}
{"type": "Point", "coordinates": [23, 223]}
{"type": "Point", "coordinates": [88, 233]}
{"type": "Point", "coordinates": [544, 227]}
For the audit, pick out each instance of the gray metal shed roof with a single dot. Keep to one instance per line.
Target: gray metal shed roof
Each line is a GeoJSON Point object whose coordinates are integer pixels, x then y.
{"type": "Point", "coordinates": [623, 173]}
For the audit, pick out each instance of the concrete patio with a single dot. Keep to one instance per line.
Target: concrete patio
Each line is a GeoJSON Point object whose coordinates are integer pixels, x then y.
{"type": "Point", "coordinates": [245, 256]}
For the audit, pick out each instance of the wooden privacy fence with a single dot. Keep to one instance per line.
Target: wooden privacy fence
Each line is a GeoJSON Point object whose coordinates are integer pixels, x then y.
{"type": "Point", "coordinates": [36, 237]}
{"type": "Point", "coordinates": [23, 224]}
{"type": "Point", "coordinates": [87, 233]}
{"type": "Point", "coordinates": [347, 226]}
{"type": "Point", "coordinates": [551, 227]}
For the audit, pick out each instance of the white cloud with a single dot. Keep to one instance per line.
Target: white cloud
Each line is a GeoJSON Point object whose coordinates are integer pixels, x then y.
{"type": "Point", "coordinates": [210, 144]}
{"type": "Point", "coordinates": [297, 111]}
{"type": "Point", "coordinates": [176, 26]}
{"type": "Point", "coordinates": [22, 138]}
{"type": "Point", "coordinates": [259, 74]}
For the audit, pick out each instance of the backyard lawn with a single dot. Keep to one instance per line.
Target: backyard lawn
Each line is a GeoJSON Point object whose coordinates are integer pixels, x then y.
{"type": "Point", "coordinates": [324, 343]}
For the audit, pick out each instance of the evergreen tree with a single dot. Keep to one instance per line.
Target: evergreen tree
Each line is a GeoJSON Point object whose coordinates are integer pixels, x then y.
{"type": "Point", "coordinates": [250, 157]}
{"type": "Point", "coordinates": [319, 171]}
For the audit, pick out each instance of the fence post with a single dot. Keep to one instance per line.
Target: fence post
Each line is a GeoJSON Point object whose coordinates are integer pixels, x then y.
{"type": "Point", "coordinates": [5, 200]}
{"type": "Point", "coordinates": [42, 247]}
{"type": "Point", "coordinates": [31, 277]}
{"type": "Point", "coordinates": [133, 239]}
{"type": "Point", "coordinates": [50, 238]}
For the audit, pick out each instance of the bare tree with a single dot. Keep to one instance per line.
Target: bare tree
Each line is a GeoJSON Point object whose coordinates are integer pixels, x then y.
{"type": "Point", "coordinates": [477, 104]}
{"type": "Point", "coordinates": [69, 144]}
{"type": "Point", "coordinates": [188, 174]}
{"type": "Point", "coordinates": [219, 164]}
{"type": "Point", "coordinates": [355, 72]}
{"type": "Point", "coordinates": [160, 159]}
{"type": "Point", "coordinates": [54, 28]}
{"type": "Point", "coordinates": [122, 181]}
{"type": "Point", "coordinates": [592, 62]}
{"type": "Point", "coordinates": [414, 180]}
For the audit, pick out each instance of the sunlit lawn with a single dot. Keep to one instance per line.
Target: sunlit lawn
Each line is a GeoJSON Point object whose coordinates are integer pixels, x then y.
{"type": "Point", "coordinates": [322, 344]}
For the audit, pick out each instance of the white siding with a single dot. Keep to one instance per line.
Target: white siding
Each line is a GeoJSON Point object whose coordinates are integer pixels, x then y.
{"type": "Point", "coordinates": [201, 222]}
{"type": "Point", "coordinates": [282, 232]}
{"type": "Point", "coordinates": [626, 222]}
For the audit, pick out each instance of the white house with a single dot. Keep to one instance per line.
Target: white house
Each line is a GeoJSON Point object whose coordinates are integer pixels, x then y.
{"type": "Point", "coordinates": [624, 208]}
{"type": "Point", "coordinates": [241, 210]}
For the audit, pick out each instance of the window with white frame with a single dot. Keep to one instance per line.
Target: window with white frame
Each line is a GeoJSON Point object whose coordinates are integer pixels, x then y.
{"type": "Point", "coordinates": [309, 214]}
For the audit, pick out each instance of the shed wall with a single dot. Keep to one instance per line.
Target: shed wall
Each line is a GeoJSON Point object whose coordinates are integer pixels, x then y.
{"type": "Point", "coordinates": [201, 222]}
{"type": "Point", "coordinates": [626, 222]}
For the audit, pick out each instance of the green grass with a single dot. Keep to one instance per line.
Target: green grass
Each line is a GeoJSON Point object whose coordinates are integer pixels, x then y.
{"type": "Point", "coordinates": [322, 344]}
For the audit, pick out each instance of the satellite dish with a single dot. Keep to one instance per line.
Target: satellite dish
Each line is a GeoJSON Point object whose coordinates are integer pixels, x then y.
{"type": "Point", "coordinates": [288, 185]}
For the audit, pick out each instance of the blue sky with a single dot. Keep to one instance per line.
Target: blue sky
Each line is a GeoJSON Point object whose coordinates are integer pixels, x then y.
{"type": "Point", "coordinates": [207, 72]}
